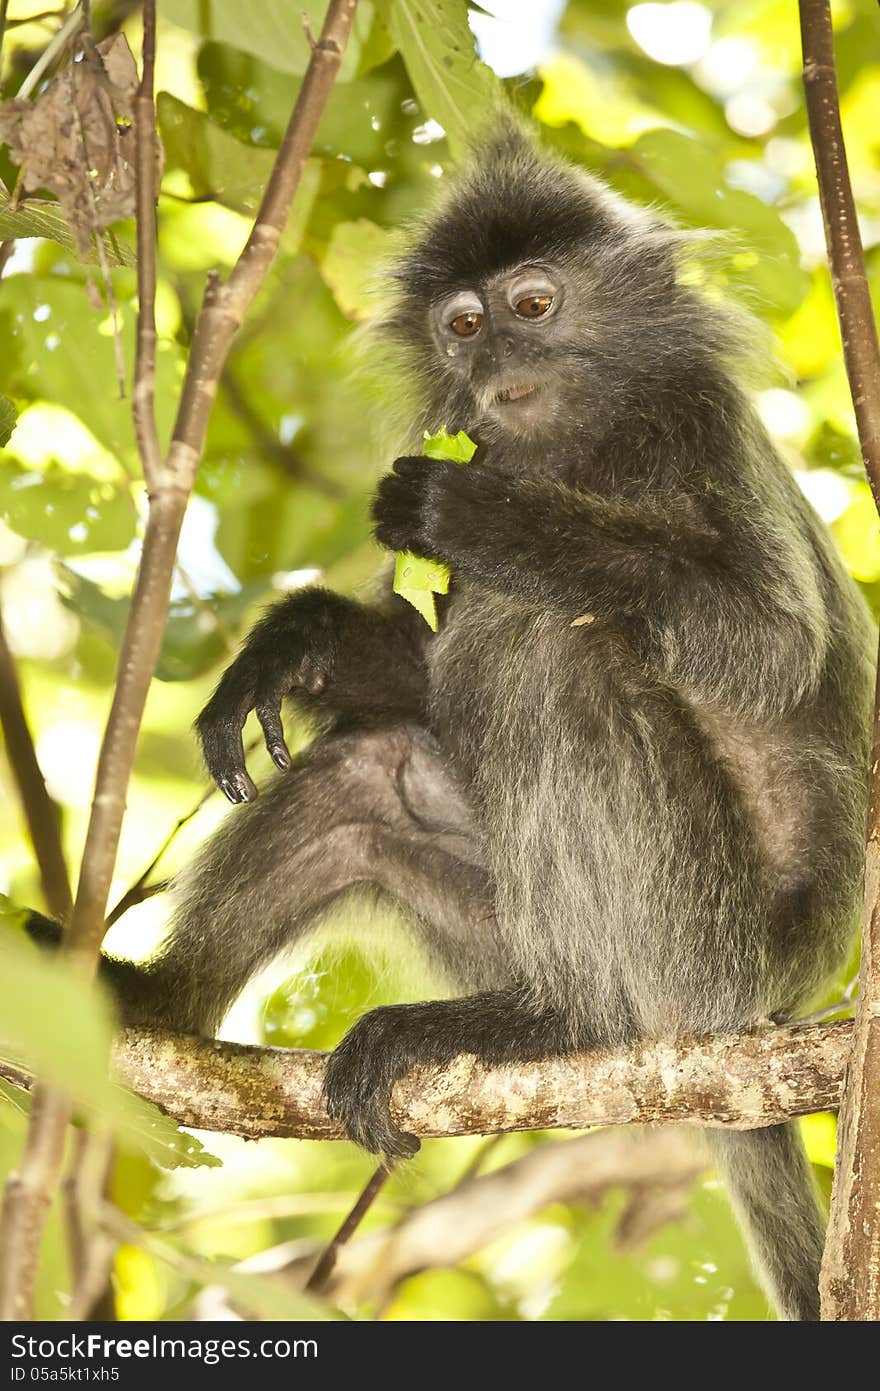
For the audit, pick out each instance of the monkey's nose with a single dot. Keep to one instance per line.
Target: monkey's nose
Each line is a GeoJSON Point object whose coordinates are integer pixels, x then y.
{"type": "Point", "coordinates": [506, 347]}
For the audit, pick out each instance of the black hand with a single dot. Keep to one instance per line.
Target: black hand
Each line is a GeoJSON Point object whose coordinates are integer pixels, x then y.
{"type": "Point", "coordinates": [268, 668]}
{"type": "Point", "coordinates": [429, 505]}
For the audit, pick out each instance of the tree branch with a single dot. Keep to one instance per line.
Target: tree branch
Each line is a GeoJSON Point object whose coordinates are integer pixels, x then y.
{"type": "Point", "coordinates": [29, 1191]}
{"type": "Point", "coordinates": [850, 1282]}
{"type": "Point", "coordinates": [658, 1169]}
{"type": "Point", "coordinates": [40, 812]}
{"type": "Point", "coordinates": [746, 1082]}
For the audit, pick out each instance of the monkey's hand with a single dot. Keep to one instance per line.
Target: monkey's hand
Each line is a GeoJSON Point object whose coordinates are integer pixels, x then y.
{"type": "Point", "coordinates": [432, 506]}
{"type": "Point", "coordinates": [291, 648]}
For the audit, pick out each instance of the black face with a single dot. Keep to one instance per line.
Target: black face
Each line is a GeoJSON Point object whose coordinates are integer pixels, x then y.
{"type": "Point", "coordinates": [500, 336]}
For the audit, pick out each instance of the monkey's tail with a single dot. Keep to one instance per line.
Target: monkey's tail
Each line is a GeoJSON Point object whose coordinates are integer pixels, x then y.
{"type": "Point", "coordinates": [770, 1183]}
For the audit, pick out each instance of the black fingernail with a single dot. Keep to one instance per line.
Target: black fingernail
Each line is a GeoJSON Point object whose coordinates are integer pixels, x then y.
{"type": "Point", "coordinates": [229, 791]}
{"type": "Point", "coordinates": [280, 757]}
{"type": "Point", "coordinates": [244, 787]}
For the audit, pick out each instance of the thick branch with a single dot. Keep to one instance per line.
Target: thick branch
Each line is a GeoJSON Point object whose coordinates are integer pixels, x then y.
{"type": "Point", "coordinates": [744, 1082]}
{"type": "Point", "coordinates": [40, 812]}
{"type": "Point", "coordinates": [850, 1282]}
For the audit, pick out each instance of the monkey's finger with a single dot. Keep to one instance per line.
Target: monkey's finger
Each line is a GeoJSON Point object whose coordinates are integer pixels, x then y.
{"type": "Point", "coordinates": [269, 716]}
{"type": "Point", "coordinates": [238, 787]}
{"type": "Point", "coordinates": [224, 755]}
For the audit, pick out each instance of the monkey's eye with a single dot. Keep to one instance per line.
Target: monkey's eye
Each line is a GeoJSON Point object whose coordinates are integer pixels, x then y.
{"type": "Point", "coordinates": [533, 306]}
{"type": "Point", "coordinates": [467, 324]}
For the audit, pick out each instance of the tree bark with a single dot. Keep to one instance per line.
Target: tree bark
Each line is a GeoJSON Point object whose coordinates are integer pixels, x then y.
{"type": "Point", "coordinates": [850, 1282]}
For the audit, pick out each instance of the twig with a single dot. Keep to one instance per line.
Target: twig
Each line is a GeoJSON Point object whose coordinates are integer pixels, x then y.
{"type": "Point", "coordinates": [658, 1170]}
{"type": "Point", "coordinates": [146, 196]}
{"type": "Point", "coordinates": [327, 1260]}
{"type": "Point", "coordinates": [850, 1281]}
{"type": "Point", "coordinates": [29, 1192]}
{"type": "Point", "coordinates": [41, 813]}
{"type": "Point", "coordinates": [4, 10]}
{"type": "Point", "coordinates": [91, 1249]}
{"type": "Point", "coordinates": [51, 52]}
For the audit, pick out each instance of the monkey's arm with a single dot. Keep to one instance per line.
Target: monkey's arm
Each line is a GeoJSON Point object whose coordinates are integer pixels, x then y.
{"type": "Point", "coordinates": [705, 586]}
{"type": "Point", "coordinates": [338, 658]}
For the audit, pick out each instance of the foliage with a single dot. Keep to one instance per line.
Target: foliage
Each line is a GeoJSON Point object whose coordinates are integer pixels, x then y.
{"type": "Point", "coordinates": [693, 109]}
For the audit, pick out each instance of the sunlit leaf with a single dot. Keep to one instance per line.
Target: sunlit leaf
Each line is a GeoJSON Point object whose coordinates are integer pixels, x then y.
{"type": "Point", "coordinates": [454, 87]}
{"type": "Point", "coordinates": [351, 266]}
{"type": "Point", "coordinates": [8, 417]}
{"type": "Point", "coordinates": [857, 534]}
{"type": "Point", "coordinates": [39, 217]}
{"type": "Point", "coordinates": [70, 513]}
{"type": "Point", "coordinates": [272, 30]}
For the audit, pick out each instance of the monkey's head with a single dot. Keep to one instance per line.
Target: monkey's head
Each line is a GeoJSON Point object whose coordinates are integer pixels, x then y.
{"type": "Point", "coordinates": [535, 298]}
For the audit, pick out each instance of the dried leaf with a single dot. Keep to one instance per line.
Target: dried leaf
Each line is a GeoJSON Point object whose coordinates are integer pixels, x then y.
{"type": "Point", "coordinates": [76, 139]}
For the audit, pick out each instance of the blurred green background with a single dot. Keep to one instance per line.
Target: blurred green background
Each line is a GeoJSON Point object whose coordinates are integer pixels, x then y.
{"type": "Point", "coordinates": [693, 108]}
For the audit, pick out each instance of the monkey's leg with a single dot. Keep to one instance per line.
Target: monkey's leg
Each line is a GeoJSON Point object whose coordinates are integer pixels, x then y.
{"type": "Point", "coordinates": [365, 809]}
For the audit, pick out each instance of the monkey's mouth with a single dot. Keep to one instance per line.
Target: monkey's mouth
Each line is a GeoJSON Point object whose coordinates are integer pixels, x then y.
{"type": "Point", "coordinates": [515, 393]}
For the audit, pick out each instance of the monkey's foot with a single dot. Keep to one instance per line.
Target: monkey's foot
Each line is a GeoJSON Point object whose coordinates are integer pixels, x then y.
{"type": "Point", "coordinates": [359, 1077]}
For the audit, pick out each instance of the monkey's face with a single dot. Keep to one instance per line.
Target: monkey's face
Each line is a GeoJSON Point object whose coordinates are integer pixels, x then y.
{"type": "Point", "coordinates": [504, 339]}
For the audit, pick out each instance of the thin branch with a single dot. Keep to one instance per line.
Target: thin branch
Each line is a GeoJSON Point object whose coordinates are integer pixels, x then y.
{"type": "Point", "coordinates": [4, 10]}
{"type": "Point", "coordinates": [850, 1281]}
{"type": "Point", "coordinates": [326, 1262]}
{"type": "Point", "coordinates": [146, 198]}
{"type": "Point", "coordinates": [29, 1192]}
{"type": "Point", "coordinates": [51, 52]}
{"type": "Point", "coordinates": [91, 1248]}
{"type": "Point", "coordinates": [658, 1169]}
{"type": "Point", "coordinates": [41, 813]}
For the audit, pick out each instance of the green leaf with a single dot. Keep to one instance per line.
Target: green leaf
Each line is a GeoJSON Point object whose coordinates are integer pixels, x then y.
{"type": "Point", "coordinates": [692, 181]}
{"type": "Point", "coordinates": [53, 1022]}
{"type": "Point", "coordinates": [70, 513]}
{"type": "Point", "coordinates": [64, 351]}
{"type": "Point", "coordinates": [436, 43]}
{"type": "Point", "coordinates": [219, 167]}
{"type": "Point", "coordinates": [272, 30]}
{"type": "Point", "coordinates": [8, 417]}
{"type": "Point", "coordinates": [251, 100]}
{"type": "Point", "coordinates": [417, 579]}
{"type": "Point", "coordinates": [39, 217]}
{"type": "Point", "coordinates": [350, 265]}
{"type": "Point", "coordinates": [225, 170]}
{"type": "Point", "coordinates": [459, 449]}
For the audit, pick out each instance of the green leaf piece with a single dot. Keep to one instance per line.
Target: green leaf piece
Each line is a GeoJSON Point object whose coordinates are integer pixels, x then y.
{"type": "Point", "coordinates": [416, 579]}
